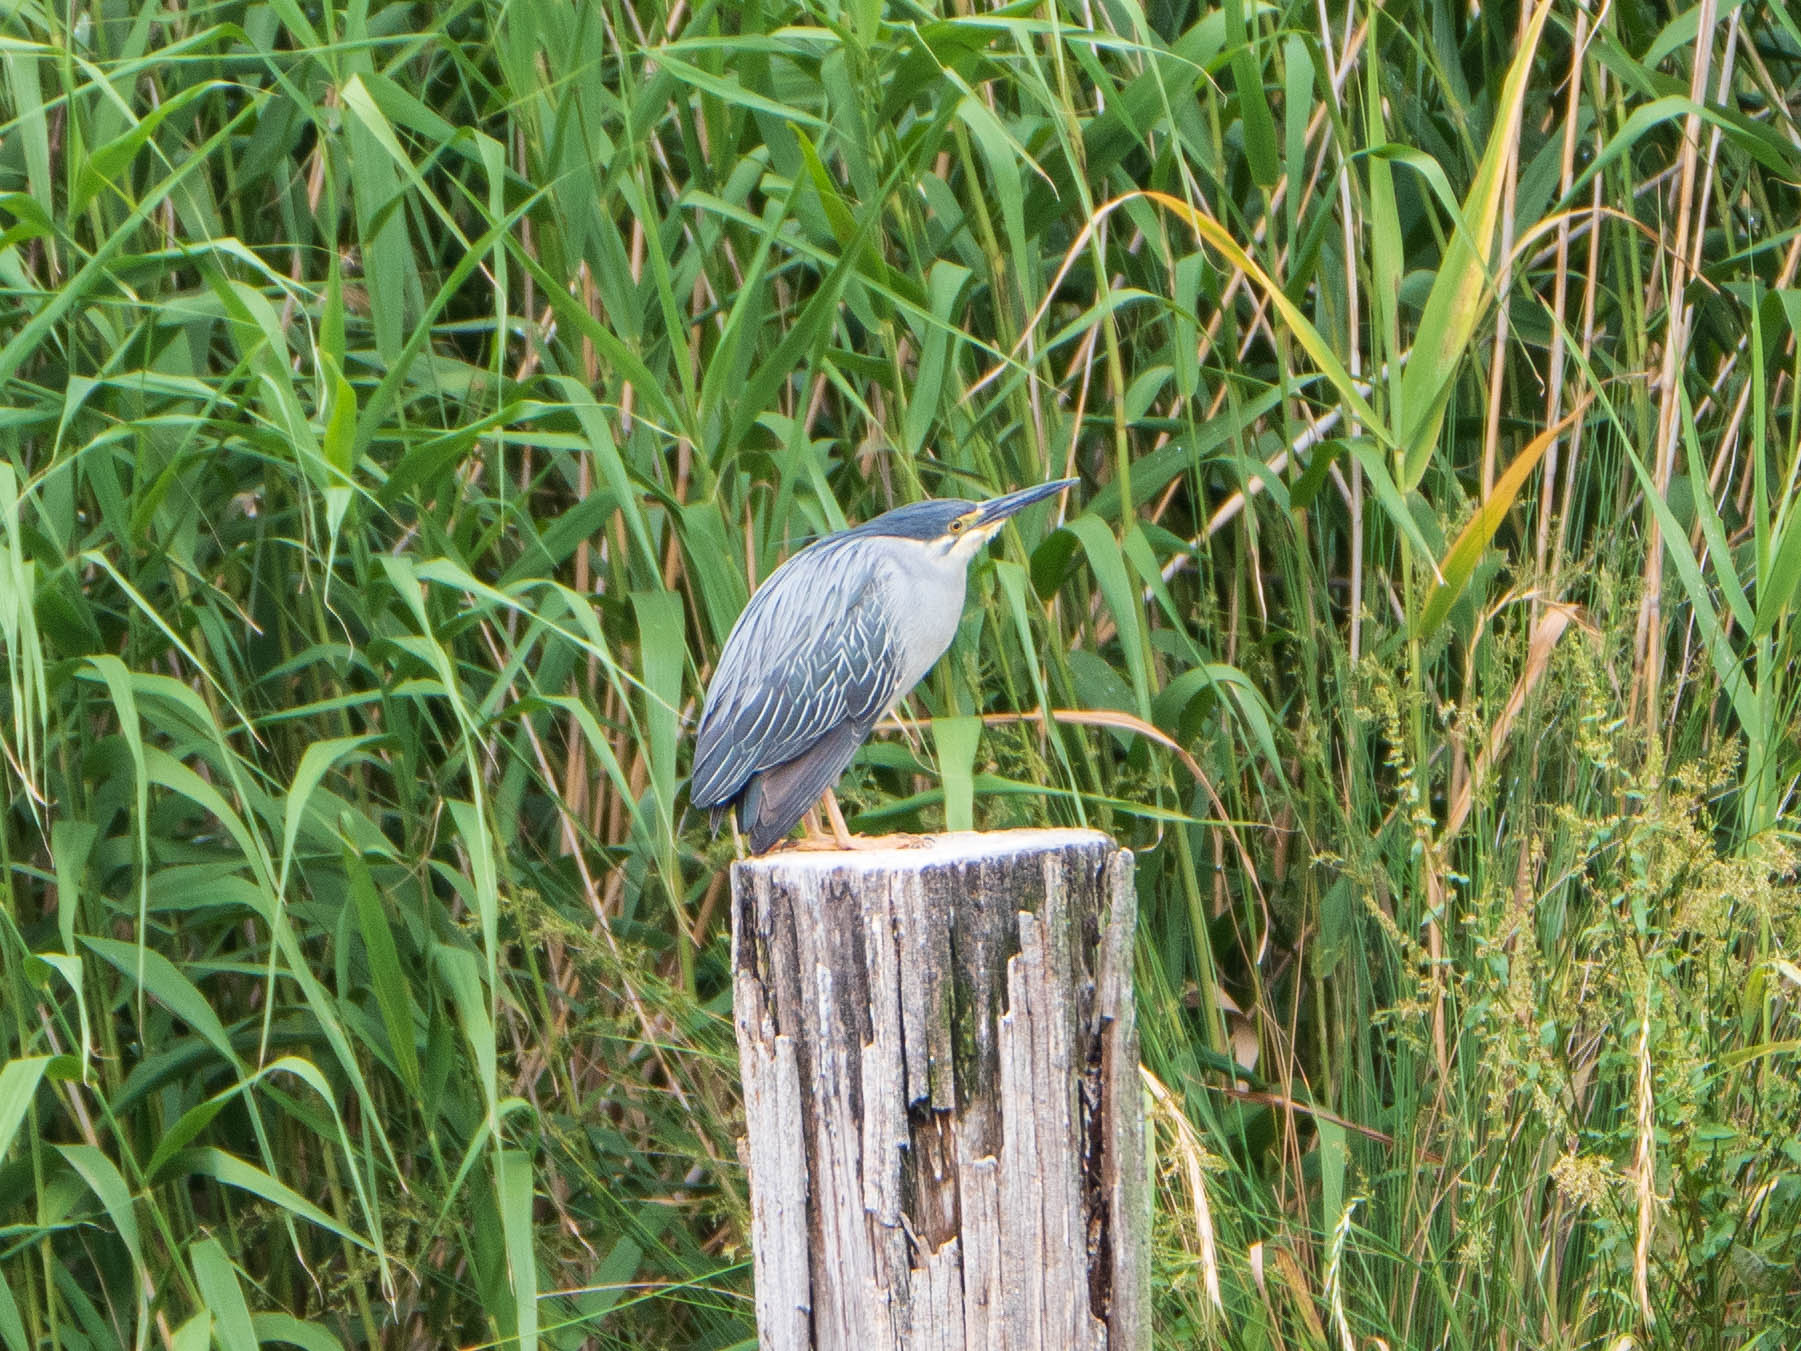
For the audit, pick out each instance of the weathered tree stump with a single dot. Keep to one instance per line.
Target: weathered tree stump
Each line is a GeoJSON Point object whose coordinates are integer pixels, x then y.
{"type": "Point", "coordinates": [941, 1084]}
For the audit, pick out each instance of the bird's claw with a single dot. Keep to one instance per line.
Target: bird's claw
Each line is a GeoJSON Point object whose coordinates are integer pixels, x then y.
{"type": "Point", "coordinates": [822, 843]}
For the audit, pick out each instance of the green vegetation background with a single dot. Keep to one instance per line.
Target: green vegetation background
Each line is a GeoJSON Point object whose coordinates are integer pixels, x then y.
{"type": "Point", "coordinates": [397, 402]}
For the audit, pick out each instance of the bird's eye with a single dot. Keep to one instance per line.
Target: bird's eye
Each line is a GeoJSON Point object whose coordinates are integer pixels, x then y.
{"type": "Point", "coordinates": [958, 525]}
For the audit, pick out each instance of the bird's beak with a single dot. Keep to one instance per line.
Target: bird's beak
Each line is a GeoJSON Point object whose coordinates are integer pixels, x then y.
{"type": "Point", "coordinates": [998, 509]}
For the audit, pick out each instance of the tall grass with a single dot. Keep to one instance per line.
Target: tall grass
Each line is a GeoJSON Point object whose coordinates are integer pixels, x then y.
{"type": "Point", "coordinates": [398, 403]}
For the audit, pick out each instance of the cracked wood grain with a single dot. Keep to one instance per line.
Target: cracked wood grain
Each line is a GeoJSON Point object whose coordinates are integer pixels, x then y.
{"type": "Point", "coordinates": [944, 1120]}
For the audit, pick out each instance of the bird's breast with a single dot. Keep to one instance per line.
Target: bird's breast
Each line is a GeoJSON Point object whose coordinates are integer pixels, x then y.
{"type": "Point", "coordinates": [925, 606]}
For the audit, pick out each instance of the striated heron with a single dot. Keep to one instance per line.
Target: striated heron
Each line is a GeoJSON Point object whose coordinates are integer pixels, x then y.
{"type": "Point", "coordinates": [837, 635]}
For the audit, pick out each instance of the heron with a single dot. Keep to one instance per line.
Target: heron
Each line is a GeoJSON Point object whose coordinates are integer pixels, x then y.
{"type": "Point", "coordinates": [833, 639]}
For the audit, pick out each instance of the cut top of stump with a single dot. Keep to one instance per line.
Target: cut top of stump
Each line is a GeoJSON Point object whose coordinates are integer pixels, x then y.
{"type": "Point", "coordinates": [929, 851]}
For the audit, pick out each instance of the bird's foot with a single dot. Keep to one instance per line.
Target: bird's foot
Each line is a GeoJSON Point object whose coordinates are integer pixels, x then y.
{"type": "Point", "coordinates": [823, 843]}
{"type": "Point", "coordinates": [808, 844]}
{"type": "Point", "coordinates": [900, 839]}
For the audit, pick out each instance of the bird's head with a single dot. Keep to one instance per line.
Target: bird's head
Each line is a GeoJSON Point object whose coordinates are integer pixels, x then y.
{"type": "Point", "coordinates": [955, 527]}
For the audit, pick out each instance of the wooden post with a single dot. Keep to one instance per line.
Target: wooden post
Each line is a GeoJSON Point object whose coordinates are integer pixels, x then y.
{"type": "Point", "coordinates": [945, 1121]}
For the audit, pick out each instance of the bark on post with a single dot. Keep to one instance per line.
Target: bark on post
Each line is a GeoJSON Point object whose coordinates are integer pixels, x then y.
{"type": "Point", "coordinates": [945, 1122]}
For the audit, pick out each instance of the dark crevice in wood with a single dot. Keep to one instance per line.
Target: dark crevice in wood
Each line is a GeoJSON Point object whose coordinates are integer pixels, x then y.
{"type": "Point", "coordinates": [1094, 1174]}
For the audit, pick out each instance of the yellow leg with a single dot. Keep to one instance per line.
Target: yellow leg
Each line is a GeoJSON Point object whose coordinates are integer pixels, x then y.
{"type": "Point", "coordinates": [814, 838]}
{"type": "Point", "coordinates": [840, 837]}
{"type": "Point", "coordinates": [840, 832]}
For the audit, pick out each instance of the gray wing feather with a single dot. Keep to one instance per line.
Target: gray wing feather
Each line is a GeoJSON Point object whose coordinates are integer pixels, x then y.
{"type": "Point", "coordinates": [813, 650]}
{"type": "Point", "coordinates": [777, 798]}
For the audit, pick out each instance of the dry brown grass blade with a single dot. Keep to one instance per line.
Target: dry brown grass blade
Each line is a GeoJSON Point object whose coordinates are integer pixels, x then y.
{"type": "Point", "coordinates": [1644, 1168]}
{"type": "Point", "coordinates": [1126, 722]}
{"type": "Point", "coordinates": [1192, 1155]}
{"type": "Point", "coordinates": [1550, 627]}
{"type": "Point", "coordinates": [1291, 1104]}
{"type": "Point", "coordinates": [1103, 717]}
{"type": "Point", "coordinates": [1300, 1294]}
{"type": "Point", "coordinates": [1691, 187]}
